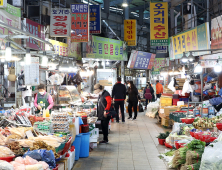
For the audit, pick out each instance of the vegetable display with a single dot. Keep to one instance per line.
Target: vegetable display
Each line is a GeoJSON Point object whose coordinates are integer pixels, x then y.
{"type": "Point", "coordinates": [163, 135]}
{"type": "Point", "coordinates": [207, 122]}
{"type": "Point", "coordinates": [169, 153]}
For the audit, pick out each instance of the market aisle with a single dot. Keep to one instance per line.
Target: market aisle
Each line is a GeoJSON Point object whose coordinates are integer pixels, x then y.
{"type": "Point", "coordinates": [132, 146]}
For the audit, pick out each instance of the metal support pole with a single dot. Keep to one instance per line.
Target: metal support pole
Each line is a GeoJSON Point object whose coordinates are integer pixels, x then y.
{"type": "Point", "coordinates": [182, 15]}
{"type": "Point", "coordinates": [201, 77]}
{"type": "Point", "coordinates": [172, 21]}
{"type": "Point", "coordinates": [192, 14]}
{"type": "Point", "coordinates": [208, 11]}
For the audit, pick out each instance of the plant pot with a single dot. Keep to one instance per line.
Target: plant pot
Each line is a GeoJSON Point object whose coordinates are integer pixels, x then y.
{"type": "Point", "coordinates": [161, 141]}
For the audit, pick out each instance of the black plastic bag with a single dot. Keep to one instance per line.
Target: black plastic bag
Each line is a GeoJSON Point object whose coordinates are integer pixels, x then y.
{"type": "Point", "coordinates": [140, 108]}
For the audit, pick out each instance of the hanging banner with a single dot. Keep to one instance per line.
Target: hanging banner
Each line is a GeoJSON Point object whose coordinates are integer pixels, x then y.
{"type": "Point", "coordinates": [3, 3]}
{"type": "Point", "coordinates": [60, 22]}
{"type": "Point", "coordinates": [60, 47]}
{"type": "Point", "coordinates": [158, 63]}
{"type": "Point", "coordinates": [152, 60]}
{"type": "Point", "coordinates": [105, 48]}
{"type": "Point", "coordinates": [161, 49]}
{"type": "Point", "coordinates": [140, 60]}
{"type": "Point", "coordinates": [12, 17]}
{"type": "Point", "coordinates": [194, 39]}
{"type": "Point", "coordinates": [158, 23]}
{"type": "Point", "coordinates": [95, 19]}
{"type": "Point", "coordinates": [216, 36]}
{"type": "Point", "coordinates": [80, 22]}
{"type": "Point", "coordinates": [74, 49]}
{"type": "Point", "coordinates": [130, 32]}
{"type": "Point", "coordinates": [37, 30]}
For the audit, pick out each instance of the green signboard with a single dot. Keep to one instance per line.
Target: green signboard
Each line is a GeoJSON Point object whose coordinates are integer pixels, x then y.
{"type": "Point", "coordinates": [13, 10]}
{"type": "Point", "coordinates": [105, 48]}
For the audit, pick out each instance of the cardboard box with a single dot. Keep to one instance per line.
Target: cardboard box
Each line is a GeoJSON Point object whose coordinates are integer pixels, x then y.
{"type": "Point", "coordinates": [167, 110]}
{"type": "Point", "coordinates": [61, 166]}
{"type": "Point", "coordinates": [65, 162]}
{"type": "Point", "coordinates": [164, 121]}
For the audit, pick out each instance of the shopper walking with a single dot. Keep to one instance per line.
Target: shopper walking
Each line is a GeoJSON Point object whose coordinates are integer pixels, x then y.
{"type": "Point", "coordinates": [103, 107]}
{"type": "Point", "coordinates": [159, 89]}
{"type": "Point", "coordinates": [148, 93]}
{"type": "Point", "coordinates": [119, 95]}
{"type": "Point", "coordinates": [133, 100]}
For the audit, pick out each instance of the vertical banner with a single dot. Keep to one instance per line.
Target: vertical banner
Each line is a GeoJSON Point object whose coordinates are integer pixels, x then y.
{"type": "Point", "coordinates": [158, 63]}
{"type": "Point", "coordinates": [216, 36]}
{"type": "Point", "coordinates": [37, 30]}
{"type": "Point", "coordinates": [60, 22]}
{"type": "Point", "coordinates": [130, 32]}
{"type": "Point", "coordinates": [158, 23]}
{"type": "Point", "coordinates": [95, 19]}
{"type": "Point", "coordinates": [152, 60]}
{"type": "Point", "coordinates": [80, 22]}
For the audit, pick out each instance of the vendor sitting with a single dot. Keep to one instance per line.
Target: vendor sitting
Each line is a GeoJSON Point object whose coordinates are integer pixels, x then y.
{"type": "Point", "coordinates": [43, 99]}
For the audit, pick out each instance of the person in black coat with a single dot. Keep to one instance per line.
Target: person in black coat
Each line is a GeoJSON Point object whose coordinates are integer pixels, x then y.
{"type": "Point", "coordinates": [133, 98]}
{"type": "Point", "coordinates": [103, 107]}
{"type": "Point", "coordinates": [119, 95]}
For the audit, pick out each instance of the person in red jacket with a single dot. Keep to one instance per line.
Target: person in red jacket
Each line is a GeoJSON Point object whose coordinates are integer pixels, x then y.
{"type": "Point", "coordinates": [103, 107]}
{"type": "Point", "coordinates": [159, 89]}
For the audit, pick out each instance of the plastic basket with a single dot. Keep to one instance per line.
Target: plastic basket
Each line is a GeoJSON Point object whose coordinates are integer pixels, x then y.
{"type": "Point", "coordinates": [168, 145]}
{"type": "Point", "coordinates": [8, 159]}
{"type": "Point", "coordinates": [212, 139]}
{"type": "Point", "coordinates": [188, 121]}
{"type": "Point", "coordinates": [60, 148]}
{"type": "Point", "coordinates": [219, 126]}
{"type": "Point", "coordinates": [67, 146]}
{"type": "Point", "coordinates": [192, 134]}
{"type": "Point", "coordinates": [162, 141]}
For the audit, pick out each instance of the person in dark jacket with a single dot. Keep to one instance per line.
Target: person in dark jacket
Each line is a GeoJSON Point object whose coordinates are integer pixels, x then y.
{"type": "Point", "coordinates": [133, 100]}
{"type": "Point", "coordinates": [119, 95]}
{"type": "Point", "coordinates": [103, 107]}
{"type": "Point", "coordinates": [148, 93]}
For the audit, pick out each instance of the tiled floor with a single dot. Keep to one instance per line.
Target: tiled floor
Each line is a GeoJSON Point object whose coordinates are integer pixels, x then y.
{"type": "Point", "coordinates": [132, 146]}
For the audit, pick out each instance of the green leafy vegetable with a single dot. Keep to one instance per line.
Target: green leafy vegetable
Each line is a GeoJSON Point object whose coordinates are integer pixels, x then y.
{"type": "Point", "coordinates": [163, 135]}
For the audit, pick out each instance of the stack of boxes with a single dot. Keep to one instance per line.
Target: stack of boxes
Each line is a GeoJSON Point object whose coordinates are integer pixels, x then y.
{"type": "Point", "coordinates": [94, 135]}
{"type": "Point", "coordinates": [180, 83]}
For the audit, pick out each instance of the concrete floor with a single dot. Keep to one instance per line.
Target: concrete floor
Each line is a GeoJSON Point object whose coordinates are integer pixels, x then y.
{"type": "Point", "coordinates": [132, 146]}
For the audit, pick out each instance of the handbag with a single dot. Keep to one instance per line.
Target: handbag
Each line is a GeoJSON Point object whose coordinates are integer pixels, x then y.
{"type": "Point", "coordinates": [112, 113]}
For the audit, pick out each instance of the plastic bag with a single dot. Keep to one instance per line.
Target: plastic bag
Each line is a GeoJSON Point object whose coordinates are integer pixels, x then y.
{"type": "Point", "coordinates": [215, 101]}
{"type": "Point", "coordinates": [5, 166]}
{"type": "Point", "coordinates": [171, 85]}
{"type": "Point", "coordinates": [212, 157]}
{"type": "Point", "coordinates": [152, 108]}
{"type": "Point", "coordinates": [207, 86]}
{"type": "Point", "coordinates": [186, 88]}
{"type": "Point", "coordinates": [34, 155]}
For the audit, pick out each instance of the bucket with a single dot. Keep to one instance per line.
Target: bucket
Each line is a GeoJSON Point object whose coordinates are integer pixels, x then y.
{"type": "Point", "coordinates": [84, 147]}
{"type": "Point", "coordinates": [161, 141]}
{"type": "Point", "coordinates": [77, 144]}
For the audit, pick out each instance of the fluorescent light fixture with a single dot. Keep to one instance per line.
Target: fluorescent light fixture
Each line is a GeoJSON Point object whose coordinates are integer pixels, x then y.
{"type": "Point", "coordinates": [198, 69]}
{"type": "Point", "coordinates": [44, 60]}
{"type": "Point", "coordinates": [110, 79]}
{"type": "Point", "coordinates": [217, 68]}
{"type": "Point", "coordinates": [124, 4]}
{"type": "Point", "coordinates": [8, 52]}
{"type": "Point", "coordinates": [107, 63]}
{"type": "Point", "coordinates": [27, 57]}
{"type": "Point", "coordinates": [2, 60]}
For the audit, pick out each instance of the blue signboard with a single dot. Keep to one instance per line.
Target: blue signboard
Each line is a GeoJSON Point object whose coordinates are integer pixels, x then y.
{"type": "Point", "coordinates": [161, 49]}
{"type": "Point", "coordinates": [142, 60]}
{"type": "Point", "coordinates": [95, 19]}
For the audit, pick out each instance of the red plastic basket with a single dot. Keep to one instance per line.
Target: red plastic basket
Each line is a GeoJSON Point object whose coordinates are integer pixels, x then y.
{"type": "Point", "coordinates": [177, 145]}
{"type": "Point", "coordinates": [161, 141]}
{"type": "Point", "coordinates": [67, 146]}
{"type": "Point", "coordinates": [205, 138]}
{"type": "Point", "coordinates": [8, 159]}
{"type": "Point", "coordinates": [192, 134]}
{"type": "Point", "coordinates": [212, 139]}
{"type": "Point", "coordinates": [219, 126]}
{"type": "Point", "coordinates": [187, 121]}
{"type": "Point", "coordinates": [168, 145]}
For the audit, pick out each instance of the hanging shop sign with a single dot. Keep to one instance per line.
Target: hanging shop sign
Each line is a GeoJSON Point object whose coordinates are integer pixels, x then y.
{"type": "Point", "coordinates": [17, 2]}
{"type": "Point", "coordinates": [95, 19]}
{"type": "Point", "coordinates": [158, 63]}
{"type": "Point", "coordinates": [60, 25]}
{"type": "Point", "coordinates": [37, 30]}
{"type": "Point", "coordinates": [140, 60]}
{"type": "Point", "coordinates": [194, 39]}
{"type": "Point", "coordinates": [74, 49]}
{"type": "Point", "coordinates": [152, 60]}
{"type": "Point", "coordinates": [3, 3]}
{"type": "Point", "coordinates": [161, 49]}
{"type": "Point", "coordinates": [210, 61]}
{"type": "Point", "coordinates": [105, 48]}
{"type": "Point", "coordinates": [60, 47]}
{"type": "Point", "coordinates": [80, 22]}
{"type": "Point", "coordinates": [130, 32]}
{"type": "Point", "coordinates": [12, 17]}
{"type": "Point", "coordinates": [158, 23]}
{"type": "Point", "coordinates": [216, 36]}
{"type": "Point", "coordinates": [32, 72]}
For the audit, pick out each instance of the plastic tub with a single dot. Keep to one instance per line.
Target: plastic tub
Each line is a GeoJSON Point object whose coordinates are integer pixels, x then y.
{"type": "Point", "coordinates": [168, 145]}
{"type": "Point", "coordinates": [8, 159]}
{"type": "Point", "coordinates": [199, 135]}
{"type": "Point", "coordinates": [77, 144]}
{"type": "Point", "coordinates": [212, 139]}
{"type": "Point", "coordinates": [177, 145]}
{"type": "Point", "coordinates": [205, 138]}
{"type": "Point", "coordinates": [187, 121]}
{"type": "Point", "coordinates": [219, 126]}
{"type": "Point", "coordinates": [84, 147]}
{"type": "Point", "coordinates": [161, 141]}
{"type": "Point", "coordinates": [192, 134]}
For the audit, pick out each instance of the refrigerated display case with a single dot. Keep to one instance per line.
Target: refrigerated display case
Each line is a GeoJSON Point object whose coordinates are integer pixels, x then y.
{"type": "Point", "coordinates": [68, 94]}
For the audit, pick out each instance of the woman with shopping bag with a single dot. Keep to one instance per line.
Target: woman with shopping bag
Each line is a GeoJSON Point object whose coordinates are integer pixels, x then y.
{"type": "Point", "coordinates": [133, 98]}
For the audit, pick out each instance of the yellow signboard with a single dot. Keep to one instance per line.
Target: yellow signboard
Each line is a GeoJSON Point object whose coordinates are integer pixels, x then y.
{"type": "Point", "coordinates": [130, 32]}
{"type": "Point", "coordinates": [60, 47]}
{"type": "Point", "coordinates": [194, 39]}
{"type": "Point", "coordinates": [3, 3]}
{"type": "Point", "coordinates": [158, 23]}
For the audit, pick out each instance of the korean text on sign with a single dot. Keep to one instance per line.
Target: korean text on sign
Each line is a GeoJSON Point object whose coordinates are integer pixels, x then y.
{"type": "Point", "coordinates": [159, 23]}
{"type": "Point", "coordinates": [60, 22]}
{"type": "Point", "coordinates": [130, 32]}
{"type": "Point", "coordinates": [95, 19]}
{"type": "Point", "coordinates": [80, 23]}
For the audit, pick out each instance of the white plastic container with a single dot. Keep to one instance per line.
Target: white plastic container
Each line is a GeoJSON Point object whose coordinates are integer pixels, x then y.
{"type": "Point", "coordinates": [69, 161]}
{"type": "Point", "coordinates": [77, 125]}
{"type": "Point", "coordinates": [72, 153]}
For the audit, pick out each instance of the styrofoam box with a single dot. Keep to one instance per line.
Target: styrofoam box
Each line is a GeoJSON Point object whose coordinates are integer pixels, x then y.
{"type": "Point", "coordinates": [93, 145]}
{"type": "Point", "coordinates": [93, 139]}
